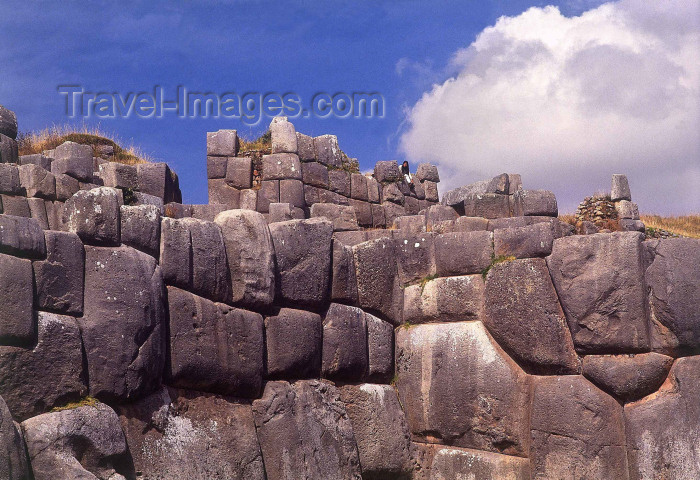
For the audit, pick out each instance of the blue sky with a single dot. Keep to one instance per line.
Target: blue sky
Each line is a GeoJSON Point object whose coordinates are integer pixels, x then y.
{"type": "Point", "coordinates": [399, 49]}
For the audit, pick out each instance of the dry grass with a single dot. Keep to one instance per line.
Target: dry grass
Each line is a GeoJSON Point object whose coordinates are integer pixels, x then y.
{"type": "Point", "coordinates": [83, 402]}
{"type": "Point", "coordinates": [569, 218]}
{"type": "Point", "coordinates": [685, 225]}
{"type": "Point", "coordinates": [262, 144]}
{"type": "Point", "coordinates": [51, 137]}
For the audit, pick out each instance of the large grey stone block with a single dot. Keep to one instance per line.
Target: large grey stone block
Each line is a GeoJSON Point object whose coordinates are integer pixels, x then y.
{"type": "Point", "coordinates": [284, 136]}
{"type": "Point", "coordinates": [37, 182]}
{"type": "Point", "coordinates": [316, 174]}
{"type": "Point", "coordinates": [17, 323]}
{"type": "Point", "coordinates": [60, 278]}
{"type": "Point", "coordinates": [250, 255]}
{"type": "Point", "coordinates": [292, 192]}
{"type": "Point", "coordinates": [524, 242]}
{"type": "Point", "coordinates": [73, 159]}
{"type": "Point", "coordinates": [34, 380]}
{"type": "Point", "coordinates": [415, 257]}
{"type": "Point", "coordinates": [8, 122]}
{"type": "Point", "coordinates": [378, 284]}
{"type": "Point", "coordinates": [339, 181]}
{"type": "Point", "coordinates": [222, 193]}
{"type": "Point", "coordinates": [387, 171]}
{"type": "Point", "coordinates": [463, 253]}
{"type": "Point", "coordinates": [487, 205]}
{"type": "Point", "coordinates": [140, 228]}
{"type": "Point", "coordinates": [269, 193]}
{"type": "Point", "coordinates": [123, 322]}
{"type": "Point", "coordinates": [222, 143]}
{"type": "Point", "coordinates": [13, 457]}
{"type": "Point", "coordinates": [358, 187]}
{"type": "Point", "coordinates": [327, 150]}
{"type": "Point", "coordinates": [445, 299]}
{"type": "Point", "coordinates": [453, 463]}
{"type": "Point", "coordinates": [158, 180]}
{"type": "Point", "coordinates": [363, 212]}
{"type": "Point", "coordinates": [213, 347]}
{"type": "Point", "coordinates": [8, 150]}
{"type": "Point", "coordinates": [21, 236]}
{"type": "Point", "coordinates": [9, 179]}
{"type": "Point", "coordinates": [620, 189]}
{"type": "Point", "coordinates": [344, 343]}
{"type": "Point", "coordinates": [343, 279]}
{"type": "Point", "coordinates": [534, 202]}
{"type": "Point", "coordinates": [94, 215]}
{"type": "Point", "coordinates": [293, 341]}
{"type": "Point", "coordinates": [119, 175]}
{"type": "Point", "coordinates": [305, 432]}
{"type": "Point", "coordinates": [426, 171]}
{"type": "Point", "coordinates": [306, 148]}
{"type": "Point", "coordinates": [281, 166]}
{"type": "Point", "coordinates": [239, 172]}
{"type": "Point", "coordinates": [380, 349]}
{"type": "Point", "coordinates": [66, 186]}
{"type": "Point", "coordinates": [343, 217]}
{"type": "Point", "coordinates": [216, 166]}
{"type": "Point", "coordinates": [599, 280]}
{"type": "Point", "coordinates": [627, 210]}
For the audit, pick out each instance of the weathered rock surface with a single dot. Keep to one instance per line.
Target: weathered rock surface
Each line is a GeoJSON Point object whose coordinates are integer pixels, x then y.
{"type": "Point", "coordinates": [303, 253]}
{"type": "Point", "coordinates": [284, 137]}
{"type": "Point", "coordinates": [294, 341]}
{"type": "Point", "coordinates": [524, 242]}
{"type": "Point", "coordinates": [16, 313]}
{"type": "Point", "coordinates": [674, 294]}
{"type": "Point", "coordinates": [444, 299]}
{"type": "Point", "coordinates": [222, 143]}
{"type": "Point", "coordinates": [415, 257]}
{"type": "Point", "coordinates": [184, 434]}
{"type": "Point", "coordinates": [380, 349]}
{"type": "Point", "coordinates": [327, 150]}
{"type": "Point", "coordinates": [378, 286]}
{"type": "Point", "coordinates": [305, 147]}
{"type": "Point", "coordinates": [118, 175]}
{"type": "Point", "coordinates": [344, 343]}
{"type": "Point", "coordinates": [84, 442]}
{"type": "Point", "coordinates": [342, 216]}
{"type": "Point", "coordinates": [59, 279]}
{"type": "Point", "coordinates": [458, 388]}
{"type": "Point", "coordinates": [73, 159]}
{"type": "Point", "coordinates": [9, 179]}
{"type": "Point", "coordinates": [140, 228]}
{"type": "Point", "coordinates": [8, 123]}
{"type": "Point", "coordinates": [663, 429]}
{"type": "Point", "coordinates": [343, 279]}
{"type": "Point", "coordinates": [94, 215]}
{"type": "Point", "coordinates": [524, 316]}
{"type": "Point", "coordinates": [13, 458]}
{"type": "Point", "coordinates": [387, 171]}
{"type": "Point", "coordinates": [577, 431]}
{"type": "Point", "coordinates": [250, 256]}
{"type": "Point", "coordinates": [463, 253]}
{"type": "Point", "coordinates": [280, 166]}
{"type": "Point", "coordinates": [462, 463]}
{"type": "Point", "coordinates": [380, 429]}
{"type": "Point", "coordinates": [123, 322]}
{"type": "Point", "coordinates": [627, 377]}
{"type": "Point", "coordinates": [21, 236]}
{"type": "Point", "coordinates": [158, 180]}
{"type": "Point", "coordinates": [214, 347]}
{"type": "Point", "coordinates": [305, 432]}
{"type": "Point", "coordinates": [47, 375]}
{"type": "Point", "coordinates": [535, 202]}
{"type": "Point", "coordinates": [620, 188]}
{"type": "Point", "coordinates": [37, 182]}
{"type": "Point", "coordinates": [599, 280]}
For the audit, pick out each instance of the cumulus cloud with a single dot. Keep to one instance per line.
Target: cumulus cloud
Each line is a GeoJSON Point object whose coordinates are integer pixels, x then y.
{"type": "Point", "coordinates": [567, 101]}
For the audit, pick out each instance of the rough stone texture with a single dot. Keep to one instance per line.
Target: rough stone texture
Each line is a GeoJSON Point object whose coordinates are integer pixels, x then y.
{"type": "Point", "coordinates": [627, 377]}
{"type": "Point", "coordinates": [515, 183]}
{"type": "Point", "coordinates": [140, 228]}
{"type": "Point", "coordinates": [47, 375]}
{"type": "Point", "coordinates": [37, 208]}
{"type": "Point", "coordinates": [446, 299]}
{"type": "Point", "coordinates": [470, 224]}
{"type": "Point", "coordinates": [248, 199]}
{"type": "Point", "coordinates": [292, 192]}
{"type": "Point", "coordinates": [304, 432]}
{"type": "Point", "coordinates": [239, 172]}
{"type": "Point", "coordinates": [462, 463]}
{"type": "Point", "coordinates": [599, 280]}
{"type": "Point", "coordinates": [282, 212]}
{"type": "Point", "coordinates": [487, 205]}
{"type": "Point", "coordinates": [462, 253]}
{"type": "Point", "coordinates": [16, 312]}
{"type": "Point", "coordinates": [8, 123]}
{"type": "Point", "coordinates": [94, 215]}
{"type": "Point", "coordinates": [431, 191]}
{"type": "Point", "coordinates": [524, 316]}
{"type": "Point", "coordinates": [438, 213]}
{"type": "Point", "coordinates": [73, 159]}
{"type": "Point", "coordinates": [392, 193]}
{"type": "Point", "coordinates": [313, 173]}
{"type": "Point", "coordinates": [524, 242]}
{"type": "Point", "coordinates": [210, 275]}
{"type": "Point", "coordinates": [8, 150]}
{"type": "Point", "coordinates": [387, 171]}
{"type": "Point", "coordinates": [358, 187]}
{"type": "Point", "coordinates": [13, 458]}
{"type": "Point", "coordinates": [158, 180]}
{"type": "Point", "coordinates": [342, 216]}
{"type": "Point", "coordinates": [281, 166]}
{"type": "Point", "coordinates": [9, 179]}
{"type": "Point", "coordinates": [410, 224]}
{"type": "Point", "coordinates": [391, 211]}
{"type": "Point", "coordinates": [380, 429]}
{"type": "Point", "coordinates": [294, 341]}
{"type": "Point", "coordinates": [577, 431]}
{"type": "Point", "coordinates": [284, 136]}
{"type": "Point", "coordinates": [663, 429]}
{"type": "Point", "coordinates": [175, 434]}
{"type": "Point", "coordinates": [21, 236]}
{"type": "Point", "coordinates": [499, 184]}
{"type": "Point", "coordinates": [250, 255]}
{"type": "Point", "coordinates": [378, 216]}
{"type": "Point", "coordinates": [627, 225]}
{"type": "Point", "coordinates": [620, 189]}
{"type": "Point", "coordinates": [17, 206]}
{"type": "Point", "coordinates": [674, 295]}
{"type": "Point", "coordinates": [222, 143]}
{"type": "Point", "coordinates": [222, 193]}
{"type": "Point", "coordinates": [81, 443]}
{"type": "Point", "coordinates": [269, 193]}
{"type": "Point", "coordinates": [373, 190]}
{"type": "Point", "coordinates": [119, 175]}
{"type": "Point", "coordinates": [426, 171]}
{"type": "Point", "coordinates": [627, 210]}
{"type": "Point", "coordinates": [415, 257]}
{"type": "Point", "coordinates": [306, 148]}
{"type": "Point", "coordinates": [474, 396]}
{"type": "Point", "coordinates": [339, 181]}
{"type": "Point", "coordinates": [213, 347]}
{"type": "Point", "coordinates": [378, 285]}
{"type": "Point", "coordinates": [343, 279]}
{"type": "Point", "coordinates": [327, 150]}
{"type": "Point", "coordinates": [380, 349]}
{"type": "Point", "coordinates": [303, 252]}
{"type": "Point", "coordinates": [37, 182]}
{"type": "Point", "coordinates": [176, 252]}
{"type": "Point", "coordinates": [535, 202]}
{"type": "Point", "coordinates": [123, 322]}
{"type": "Point", "coordinates": [345, 354]}
{"type": "Point", "coordinates": [363, 212]}
{"type": "Point", "coordinates": [216, 167]}
{"type": "Point", "coordinates": [59, 279]}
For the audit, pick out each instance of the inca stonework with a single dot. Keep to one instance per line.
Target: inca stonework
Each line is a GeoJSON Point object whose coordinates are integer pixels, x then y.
{"type": "Point", "coordinates": [315, 323]}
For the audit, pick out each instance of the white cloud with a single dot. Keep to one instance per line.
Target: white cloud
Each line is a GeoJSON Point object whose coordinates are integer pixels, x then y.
{"type": "Point", "coordinates": [569, 101]}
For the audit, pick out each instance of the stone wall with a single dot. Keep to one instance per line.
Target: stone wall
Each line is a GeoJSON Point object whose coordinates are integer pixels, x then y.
{"type": "Point", "coordinates": [201, 342]}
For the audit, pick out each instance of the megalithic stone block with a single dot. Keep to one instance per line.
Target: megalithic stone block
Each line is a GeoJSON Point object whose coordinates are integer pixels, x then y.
{"type": "Point", "coordinates": [284, 137]}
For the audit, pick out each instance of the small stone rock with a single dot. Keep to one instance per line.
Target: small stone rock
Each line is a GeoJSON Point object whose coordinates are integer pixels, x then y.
{"type": "Point", "coordinates": [620, 189]}
{"type": "Point", "coordinates": [284, 136]}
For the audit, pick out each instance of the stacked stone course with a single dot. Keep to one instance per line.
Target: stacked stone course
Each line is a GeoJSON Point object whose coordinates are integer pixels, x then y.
{"type": "Point", "coordinates": [477, 338]}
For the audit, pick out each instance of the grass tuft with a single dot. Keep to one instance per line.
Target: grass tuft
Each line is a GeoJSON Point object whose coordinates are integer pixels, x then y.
{"type": "Point", "coordinates": [83, 402]}
{"type": "Point", "coordinates": [29, 143]}
{"type": "Point", "coordinates": [496, 260]}
{"type": "Point", "coordinates": [684, 225]}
